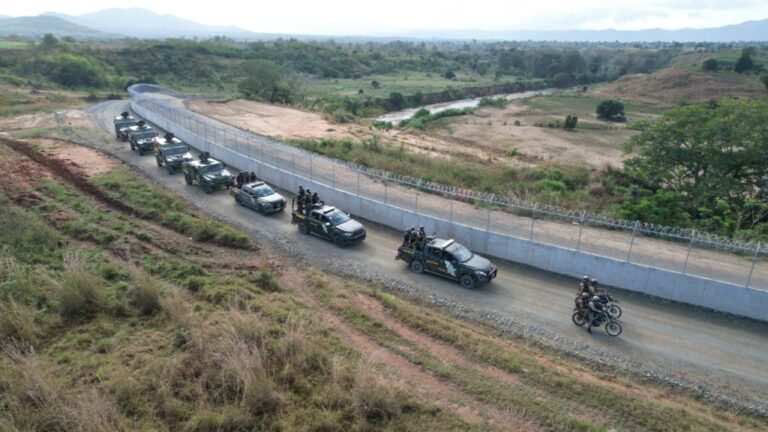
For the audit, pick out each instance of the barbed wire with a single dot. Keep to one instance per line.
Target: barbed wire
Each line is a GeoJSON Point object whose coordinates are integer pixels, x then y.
{"type": "Point", "coordinates": [491, 200]}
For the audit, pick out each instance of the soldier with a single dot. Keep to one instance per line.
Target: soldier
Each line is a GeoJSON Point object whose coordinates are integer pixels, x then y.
{"type": "Point", "coordinates": [300, 198]}
{"type": "Point", "coordinates": [239, 180]}
{"type": "Point", "coordinates": [315, 198]}
{"type": "Point", "coordinates": [406, 237]}
{"type": "Point", "coordinates": [253, 176]}
{"type": "Point", "coordinates": [307, 201]}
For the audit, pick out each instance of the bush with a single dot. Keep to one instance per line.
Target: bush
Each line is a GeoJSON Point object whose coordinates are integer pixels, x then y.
{"type": "Point", "coordinates": [611, 110]}
{"type": "Point", "coordinates": [709, 65]}
{"type": "Point", "coordinates": [80, 294]}
{"type": "Point", "coordinates": [266, 281]}
{"type": "Point", "coordinates": [493, 102]}
{"type": "Point", "coordinates": [17, 321]}
{"type": "Point", "coordinates": [146, 296]}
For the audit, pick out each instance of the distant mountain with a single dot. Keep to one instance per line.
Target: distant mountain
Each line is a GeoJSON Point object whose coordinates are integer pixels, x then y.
{"type": "Point", "coordinates": [36, 26]}
{"type": "Point", "coordinates": [142, 23]}
{"type": "Point", "coordinates": [748, 31]}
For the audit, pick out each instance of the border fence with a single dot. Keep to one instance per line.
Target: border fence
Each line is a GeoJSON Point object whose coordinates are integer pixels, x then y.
{"type": "Point", "coordinates": [476, 216]}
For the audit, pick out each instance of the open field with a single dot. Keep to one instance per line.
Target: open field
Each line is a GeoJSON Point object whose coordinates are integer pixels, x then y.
{"type": "Point", "coordinates": [190, 330]}
{"type": "Point", "coordinates": [15, 101]}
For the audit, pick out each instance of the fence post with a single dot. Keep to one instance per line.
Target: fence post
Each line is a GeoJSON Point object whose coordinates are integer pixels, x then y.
{"type": "Point", "coordinates": [450, 216]}
{"type": "Point", "coordinates": [358, 184]}
{"type": "Point", "coordinates": [754, 261]}
{"type": "Point", "coordinates": [581, 228]}
{"type": "Point", "coordinates": [632, 240]}
{"type": "Point", "coordinates": [262, 152]}
{"type": "Point", "coordinates": [333, 166]}
{"type": "Point", "coordinates": [688, 255]}
{"type": "Point", "coordinates": [310, 167]}
{"type": "Point", "coordinates": [385, 193]}
{"type": "Point", "coordinates": [533, 219]}
{"type": "Point", "coordinates": [293, 162]}
{"type": "Point", "coordinates": [417, 203]}
{"type": "Point", "coordinates": [488, 220]}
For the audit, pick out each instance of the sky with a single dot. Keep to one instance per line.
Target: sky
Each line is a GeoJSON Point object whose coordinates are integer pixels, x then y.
{"type": "Point", "coordinates": [396, 17]}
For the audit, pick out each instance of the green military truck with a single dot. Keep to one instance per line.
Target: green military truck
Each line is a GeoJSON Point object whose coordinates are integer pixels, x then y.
{"type": "Point", "coordinates": [122, 123]}
{"type": "Point", "coordinates": [259, 196]}
{"type": "Point", "coordinates": [142, 137]}
{"type": "Point", "coordinates": [329, 223]}
{"type": "Point", "coordinates": [171, 152]}
{"type": "Point", "coordinates": [448, 259]}
{"type": "Point", "coordinates": [207, 172]}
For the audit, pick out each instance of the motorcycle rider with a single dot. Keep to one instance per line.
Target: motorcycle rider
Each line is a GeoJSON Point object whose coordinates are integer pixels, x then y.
{"type": "Point", "coordinates": [584, 293]}
{"type": "Point", "coordinates": [596, 311]}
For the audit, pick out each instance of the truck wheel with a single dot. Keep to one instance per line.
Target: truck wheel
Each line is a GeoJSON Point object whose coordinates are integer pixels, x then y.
{"type": "Point", "coordinates": [303, 228]}
{"type": "Point", "coordinates": [417, 266]}
{"type": "Point", "coordinates": [159, 162]}
{"type": "Point", "coordinates": [188, 179]}
{"type": "Point", "coordinates": [207, 188]}
{"type": "Point", "coordinates": [170, 169]}
{"type": "Point", "coordinates": [467, 281]}
{"type": "Point", "coordinates": [141, 152]}
{"type": "Point", "coordinates": [133, 147]}
{"type": "Point", "coordinates": [338, 241]}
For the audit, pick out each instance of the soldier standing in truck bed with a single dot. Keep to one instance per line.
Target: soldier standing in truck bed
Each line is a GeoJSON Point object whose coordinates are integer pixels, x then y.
{"type": "Point", "coordinates": [300, 198]}
{"type": "Point", "coordinates": [307, 201]}
{"type": "Point", "coordinates": [253, 176]}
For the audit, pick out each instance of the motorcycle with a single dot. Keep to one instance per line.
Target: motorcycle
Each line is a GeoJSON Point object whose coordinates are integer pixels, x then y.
{"type": "Point", "coordinates": [611, 305]}
{"type": "Point", "coordinates": [612, 326]}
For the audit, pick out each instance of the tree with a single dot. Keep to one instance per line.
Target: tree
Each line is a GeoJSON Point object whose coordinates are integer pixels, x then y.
{"type": "Point", "coordinates": [375, 84]}
{"type": "Point", "coordinates": [706, 154]}
{"type": "Point", "coordinates": [49, 41]}
{"type": "Point", "coordinates": [262, 80]}
{"type": "Point", "coordinates": [764, 80]}
{"type": "Point", "coordinates": [570, 122]}
{"type": "Point", "coordinates": [397, 100]}
{"type": "Point", "coordinates": [449, 74]}
{"type": "Point", "coordinates": [611, 110]}
{"type": "Point", "coordinates": [745, 63]}
{"type": "Point", "coordinates": [709, 65]}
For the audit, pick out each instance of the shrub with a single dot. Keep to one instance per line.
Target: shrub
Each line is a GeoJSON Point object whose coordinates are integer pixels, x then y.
{"type": "Point", "coordinates": [266, 281]}
{"type": "Point", "coordinates": [493, 102]}
{"type": "Point", "coordinates": [611, 110]}
{"type": "Point", "coordinates": [709, 65]}
{"type": "Point", "coordinates": [17, 321]}
{"type": "Point", "coordinates": [81, 293]}
{"type": "Point", "coordinates": [146, 296]}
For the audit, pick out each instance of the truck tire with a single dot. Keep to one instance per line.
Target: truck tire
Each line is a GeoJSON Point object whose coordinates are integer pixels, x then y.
{"type": "Point", "coordinates": [133, 147]}
{"type": "Point", "coordinates": [338, 241]}
{"type": "Point", "coordinates": [170, 169]}
{"type": "Point", "coordinates": [188, 179]}
{"type": "Point", "coordinates": [303, 228]}
{"type": "Point", "coordinates": [467, 281]}
{"type": "Point", "coordinates": [207, 188]}
{"type": "Point", "coordinates": [417, 266]}
{"type": "Point", "coordinates": [159, 162]}
{"type": "Point", "coordinates": [141, 152]}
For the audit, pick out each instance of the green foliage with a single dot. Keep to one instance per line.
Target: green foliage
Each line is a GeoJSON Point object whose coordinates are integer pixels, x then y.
{"type": "Point", "coordinates": [72, 70]}
{"type": "Point", "coordinates": [744, 62]}
{"type": "Point", "coordinates": [570, 122]}
{"type": "Point", "coordinates": [264, 79]}
{"type": "Point", "coordinates": [423, 116]}
{"type": "Point", "coordinates": [611, 110]}
{"type": "Point", "coordinates": [27, 237]}
{"type": "Point", "coordinates": [709, 65]}
{"type": "Point", "coordinates": [81, 294]}
{"type": "Point", "coordinates": [764, 80]}
{"type": "Point", "coordinates": [660, 207]}
{"type": "Point", "coordinates": [396, 100]}
{"type": "Point", "coordinates": [707, 154]}
{"type": "Point", "coordinates": [493, 102]}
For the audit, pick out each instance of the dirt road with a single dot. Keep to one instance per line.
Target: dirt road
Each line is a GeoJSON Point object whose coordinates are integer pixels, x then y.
{"type": "Point", "coordinates": [724, 353]}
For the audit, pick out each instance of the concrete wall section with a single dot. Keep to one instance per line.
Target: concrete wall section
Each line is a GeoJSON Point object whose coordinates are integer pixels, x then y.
{"type": "Point", "coordinates": [665, 284]}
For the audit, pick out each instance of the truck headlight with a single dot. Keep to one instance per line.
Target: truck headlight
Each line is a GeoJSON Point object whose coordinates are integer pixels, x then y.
{"type": "Point", "coordinates": [480, 275]}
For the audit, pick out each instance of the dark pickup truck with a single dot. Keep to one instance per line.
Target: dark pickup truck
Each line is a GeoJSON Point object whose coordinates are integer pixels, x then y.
{"type": "Point", "coordinates": [329, 223]}
{"type": "Point", "coordinates": [171, 152]}
{"type": "Point", "coordinates": [260, 197]}
{"type": "Point", "coordinates": [141, 137]}
{"type": "Point", "coordinates": [448, 259]}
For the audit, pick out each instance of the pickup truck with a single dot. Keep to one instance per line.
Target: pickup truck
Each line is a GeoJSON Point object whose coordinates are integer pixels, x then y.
{"type": "Point", "coordinates": [260, 197]}
{"type": "Point", "coordinates": [446, 258]}
{"type": "Point", "coordinates": [171, 152]}
{"type": "Point", "coordinates": [329, 223]}
{"type": "Point", "coordinates": [141, 137]}
{"type": "Point", "coordinates": [123, 122]}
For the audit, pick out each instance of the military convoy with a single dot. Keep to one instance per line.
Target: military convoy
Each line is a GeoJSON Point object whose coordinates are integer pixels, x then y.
{"type": "Point", "coordinates": [259, 196]}
{"type": "Point", "coordinates": [327, 222]}
{"type": "Point", "coordinates": [171, 152]}
{"type": "Point", "coordinates": [122, 123]}
{"type": "Point", "coordinates": [446, 258]}
{"type": "Point", "coordinates": [141, 137]}
{"type": "Point", "coordinates": [207, 172]}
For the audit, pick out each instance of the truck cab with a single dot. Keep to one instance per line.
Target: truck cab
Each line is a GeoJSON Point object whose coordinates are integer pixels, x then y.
{"type": "Point", "coordinates": [171, 152]}
{"type": "Point", "coordinates": [451, 260]}
{"type": "Point", "coordinates": [329, 223]}
{"type": "Point", "coordinates": [142, 137]}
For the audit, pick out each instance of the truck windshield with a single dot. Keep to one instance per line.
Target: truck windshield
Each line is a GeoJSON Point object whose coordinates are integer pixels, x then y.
{"type": "Point", "coordinates": [144, 135]}
{"type": "Point", "coordinates": [126, 124]}
{"type": "Point", "coordinates": [171, 151]}
{"type": "Point", "coordinates": [211, 168]}
{"type": "Point", "coordinates": [338, 218]}
{"type": "Point", "coordinates": [263, 191]}
{"type": "Point", "coordinates": [459, 252]}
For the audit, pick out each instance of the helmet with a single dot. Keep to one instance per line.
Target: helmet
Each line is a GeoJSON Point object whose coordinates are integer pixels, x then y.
{"type": "Point", "coordinates": [585, 278]}
{"type": "Point", "coordinates": [412, 229]}
{"type": "Point", "coordinates": [593, 282]}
